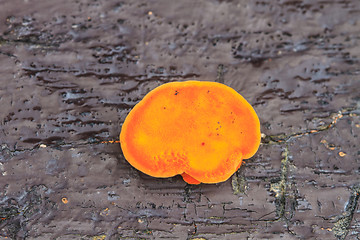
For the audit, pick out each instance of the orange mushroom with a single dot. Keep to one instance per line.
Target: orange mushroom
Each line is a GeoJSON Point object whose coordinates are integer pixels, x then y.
{"type": "Point", "coordinates": [201, 130]}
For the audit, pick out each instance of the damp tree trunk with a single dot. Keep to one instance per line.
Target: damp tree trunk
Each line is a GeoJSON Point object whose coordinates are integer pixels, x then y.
{"type": "Point", "coordinates": [72, 70]}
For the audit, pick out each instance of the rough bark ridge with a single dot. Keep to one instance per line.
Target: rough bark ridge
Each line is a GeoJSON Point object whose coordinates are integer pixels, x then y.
{"type": "Point", "coordinates": [72, 70]}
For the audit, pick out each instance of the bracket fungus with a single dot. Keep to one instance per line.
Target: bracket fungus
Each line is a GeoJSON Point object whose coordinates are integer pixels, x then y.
{"type": "Point", "coordinates": [200, 130]}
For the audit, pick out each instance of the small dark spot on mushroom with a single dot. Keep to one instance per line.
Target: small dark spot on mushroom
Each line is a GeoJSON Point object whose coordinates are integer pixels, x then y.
{"type": "Point", "coordinates": [164, 107]}
{"type": "Point", "coordinates": [176, 92]}
{"type": "Point", "coordinates": [202, 143]}
{"type": "Point", "coordinates": [208, 91]}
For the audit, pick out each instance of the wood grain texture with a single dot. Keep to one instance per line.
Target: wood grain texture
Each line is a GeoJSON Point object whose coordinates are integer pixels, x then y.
{"type": "Point", "coordinates": [72, 70]}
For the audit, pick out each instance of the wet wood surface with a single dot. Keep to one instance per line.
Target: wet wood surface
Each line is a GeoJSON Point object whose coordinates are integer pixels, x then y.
{"type": "Point", "coordinates": [72, 70]}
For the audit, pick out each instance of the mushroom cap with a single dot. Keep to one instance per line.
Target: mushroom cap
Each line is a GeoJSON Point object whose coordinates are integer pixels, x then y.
{"type": "Point", "coordinates": [201, 130]}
